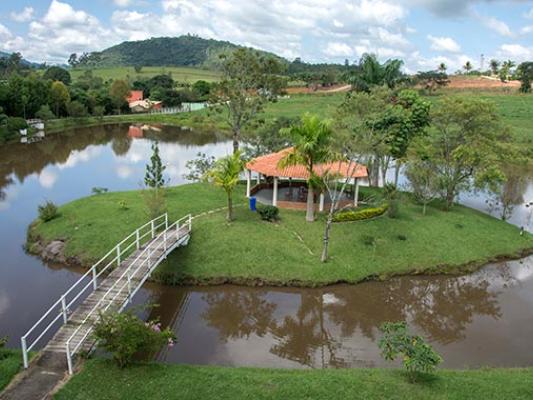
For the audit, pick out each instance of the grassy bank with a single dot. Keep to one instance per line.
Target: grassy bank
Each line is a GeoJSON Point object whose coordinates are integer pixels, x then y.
{"type": "Point", "coordinates": [10, 364]}
{"type": "Point", "coordinates": [250, 251]}
{"type": "Point", "coordinates": [102, 380]}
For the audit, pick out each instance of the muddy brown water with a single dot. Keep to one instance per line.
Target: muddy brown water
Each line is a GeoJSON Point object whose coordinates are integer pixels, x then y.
{"type": "Point", "coordinates": [481, 319]}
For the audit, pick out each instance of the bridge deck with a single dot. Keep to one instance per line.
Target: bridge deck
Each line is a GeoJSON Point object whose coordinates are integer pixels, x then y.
{"type": "Point", "coordinates": [114, 291]}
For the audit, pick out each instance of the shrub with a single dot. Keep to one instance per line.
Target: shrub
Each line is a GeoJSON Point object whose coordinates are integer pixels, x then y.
{"type": "Point", "coordinates": [99, 190]}
{"type": "Point", "coordinates": [123, 205]}
{"type": "Point", "coordinates": [360, 214]}
{"type": "Point", "coordinates": [3, 353]}
{"type": "Point", "coordinates": [393, 199]}
{"type": "Point", "coordinates": [402, 237]}
{"type": "Point", "coordinates": [125, 336]}
{"type": "Point", "coordinates": [417, 356]}
{"type": "Point", "coordinates": [268, 213]}
{"type": "Point", "coordinates": [47, 211]}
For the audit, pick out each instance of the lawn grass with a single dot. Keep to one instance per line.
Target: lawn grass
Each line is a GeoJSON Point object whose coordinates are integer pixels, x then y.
{"type": "Point", "coordinates": [10, 365]}
{"type": "Point", "coordinates": [100, 379]}
{"type": "Point", "coordinates": [249, 251]}
{"type": "Point", "coordinates": [179, 74]}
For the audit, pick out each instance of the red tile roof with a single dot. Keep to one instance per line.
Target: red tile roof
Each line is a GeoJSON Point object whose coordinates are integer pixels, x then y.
{"type": "Point", "coordinates": [135, 95]}
{"type": "Point", "coordinates": [268, 165]}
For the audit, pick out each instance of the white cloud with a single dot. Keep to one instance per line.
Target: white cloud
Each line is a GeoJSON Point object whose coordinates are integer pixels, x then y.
{"type": "Point", "coordinates": [24, 16]}
{"type": "Point", "coordinates": [336, 49]}
{"type": "Point", "coordinates": [122, 3]}
{"type": "Point", "coordinates": [47, 179]}
{"type": "Point", "coordinates": [526, 30]}
{"type": "Point", "coordinates": [529, 14]}
{"type": "Point", "coordinates": [496, 25]}
{"type": "Point", "coordinates": [5, 34]}
{"type": "Point", "coordinates": [444, 44]}
{"type": "Point", "coordinates": [516, 52]}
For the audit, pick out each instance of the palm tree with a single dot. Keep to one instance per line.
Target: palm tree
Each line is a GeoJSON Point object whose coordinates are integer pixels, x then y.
{"type": "Point", "coordinates": [225, 174]}
{"type": "Point", "coordinates": [311, 138]}
{"type": "Point", "coordinates": [467, 67]}
{"type": "Point", "coordinates": [494, 66]}
{"type": "Point", "coordinates": [442, 67]}
{"type": "Point", "coordinates": [370, 72]}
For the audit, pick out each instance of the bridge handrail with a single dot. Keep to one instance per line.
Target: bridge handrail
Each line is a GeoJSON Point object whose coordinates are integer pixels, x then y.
{"type": "Point", "coordinates": [62, 306]}
{"type": "Point", "coordinates": [127, 284]}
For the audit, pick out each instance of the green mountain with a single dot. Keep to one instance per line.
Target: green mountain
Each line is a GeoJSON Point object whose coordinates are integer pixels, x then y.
{"type": "Point", "coordinates": [187, 50]}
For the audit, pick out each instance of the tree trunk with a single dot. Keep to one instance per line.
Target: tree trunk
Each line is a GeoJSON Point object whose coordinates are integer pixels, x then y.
{"type": "Point", "coordinates": [236, 137]}
{"type": "Point", "coordinates": [310, 214]}
{"type": "Point", "coordinates": [229, 216]}
{"type": "Point", "coordinates": [449, 199]}
{"type": "Point", "coordinates": [325, 248]}
{"type": "Point", "coordinates": [397, 172]}
{"type": "Point", "coordinates": [424, 209]}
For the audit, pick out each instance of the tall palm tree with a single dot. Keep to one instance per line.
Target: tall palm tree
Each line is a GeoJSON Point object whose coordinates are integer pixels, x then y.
{"type": "Point", "coordinates": [225, 174]}
{"type": "Point", "coordinates": [311, 139]}
{"type": "Point", "coordinates": [442, 67]}
{"type": "Point", "coordinates": [370, 72]}
{"type": "Point", "coordinates": [467, 67]}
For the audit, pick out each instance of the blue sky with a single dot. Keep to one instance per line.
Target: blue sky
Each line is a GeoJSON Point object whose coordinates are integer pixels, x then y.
{"type": "Point", "coordinates": [422, 32]}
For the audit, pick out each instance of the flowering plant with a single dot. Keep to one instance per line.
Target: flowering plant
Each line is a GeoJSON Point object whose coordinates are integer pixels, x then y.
{"type": "Point", "coordinates": [126, 336]}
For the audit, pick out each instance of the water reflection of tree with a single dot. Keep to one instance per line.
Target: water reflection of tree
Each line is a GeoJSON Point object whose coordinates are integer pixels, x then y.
{"type": "Point", "coordinates": [305, 336]}
{"type": "Point", "coordinates": [442, 307]}
{"type": "Point", "coordinates": [239, 313]}
{"type": "Point", "coordinates": [121, 145]}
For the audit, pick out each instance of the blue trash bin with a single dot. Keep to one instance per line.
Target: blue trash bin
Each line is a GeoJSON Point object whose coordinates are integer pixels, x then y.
{"type": "Point", "coordinates": [253, 203]}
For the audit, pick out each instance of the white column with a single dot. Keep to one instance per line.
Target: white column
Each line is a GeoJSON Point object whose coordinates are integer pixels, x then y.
{"type": "Point", "coordinates": [321, 204]}
{"type": "Point", "coordinates": [275, 192]}
{"type": "Point", "coordinates": [258, 178]}
{"type": "Point", "coordinates": [248, 182]}
{"type": "Point", "coordinates": [355, 192]}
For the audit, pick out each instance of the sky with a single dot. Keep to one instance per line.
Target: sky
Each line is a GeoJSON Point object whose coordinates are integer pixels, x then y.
{"type": "Point", "coordinates": [423, 33]}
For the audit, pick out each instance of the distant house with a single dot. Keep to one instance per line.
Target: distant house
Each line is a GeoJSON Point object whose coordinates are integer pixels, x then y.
{"type": "Point", "coordinates": [144, 105]}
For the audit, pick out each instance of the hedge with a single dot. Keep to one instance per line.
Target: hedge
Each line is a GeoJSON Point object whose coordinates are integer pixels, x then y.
{"type": "Point", "coordinates": [358, 215]}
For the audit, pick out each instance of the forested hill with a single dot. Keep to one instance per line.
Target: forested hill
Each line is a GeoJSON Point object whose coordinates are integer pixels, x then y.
{"type": "Point", "coordinates": [185, 50]}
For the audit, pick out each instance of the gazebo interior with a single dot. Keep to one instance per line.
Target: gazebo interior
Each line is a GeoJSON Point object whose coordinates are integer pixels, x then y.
{"type": "Point", "coordinates": [287, 187]}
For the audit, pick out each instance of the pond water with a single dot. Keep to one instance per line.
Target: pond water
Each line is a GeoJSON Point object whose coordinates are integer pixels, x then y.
{"type": "Point", "coordinates": [481, 319]}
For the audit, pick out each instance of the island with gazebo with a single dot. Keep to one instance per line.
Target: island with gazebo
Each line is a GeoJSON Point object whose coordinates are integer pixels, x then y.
{"type": "Point", "coordinates": [286, 187]}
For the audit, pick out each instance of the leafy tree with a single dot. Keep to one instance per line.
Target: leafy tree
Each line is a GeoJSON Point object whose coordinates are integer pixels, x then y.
{"type": "Point", "coordinates": [202, 88]}
{"type": "Point", "coordinates": [119, 92]}
{"type": "Point", "coordinates": [57, 74]}
{"type": "Point", "coordinates": [370, 72]}
{"type": "Point", "coordinates": [311, 140]}
{"type": "Point", "coordinates": [248, 81]}
{"type": "Point", "coordinates": [418, 356]}
{"type": "Point", "coordinates": [367, 119]}
{"type": "Point", "coordinates": [466, 147]}
{"type": "Point", "coordinates": [409, 122]}
{"type": "Point", "coordinates": [153, 177]}
{"type": "Point", "coordinates": [505, 70]}
{"type": "Point", "coordinates": [73, 60]}
{"type": "Point", "coordinates": [494, 66]}
{"type": "Point", "coordinates": [76, 110]}
{"type": "Point", "coordinates": [59, 96]}
{"type": "Point", "coordinates": [525, 74]}
{"type": "Point", "coordinates": [432, 80]}
{"type": "Point", "coordinates": [45, 113]}
{"type": "Point", "coordinates": [267, 137]}
{"type": "Point", "coordinates": [423, 181]}
{"type": "Point", "coordinates": [199, 167]}
{"type": "Point", "coordinates": [225, 174]}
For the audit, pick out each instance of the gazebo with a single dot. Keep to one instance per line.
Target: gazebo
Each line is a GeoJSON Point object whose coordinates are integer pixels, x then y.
{"type": "Point", "coordinates": [287, 187]}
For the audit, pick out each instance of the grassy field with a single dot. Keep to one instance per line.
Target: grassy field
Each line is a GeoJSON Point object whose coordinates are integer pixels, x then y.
{"type": "Point", "coordinates": [10, 364]}
{"type": "Point", "coordinates": [249, 250]}
{"type": "Point", "coordinates": [179, 74]}
{"type": "Point", "coordinates": [102, 380]}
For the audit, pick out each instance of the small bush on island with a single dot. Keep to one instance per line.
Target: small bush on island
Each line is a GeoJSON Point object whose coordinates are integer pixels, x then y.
{"type": "Point", "coordinates": [418, 357]}
{"type": "Point", "coordinates": [360, 214]}
{"type": "Point", "coordinates": [268, 213]}
{"type": "Point", "coordinates": [126, 336]}
{"type": "Point", "coordinates": [47, 211]}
